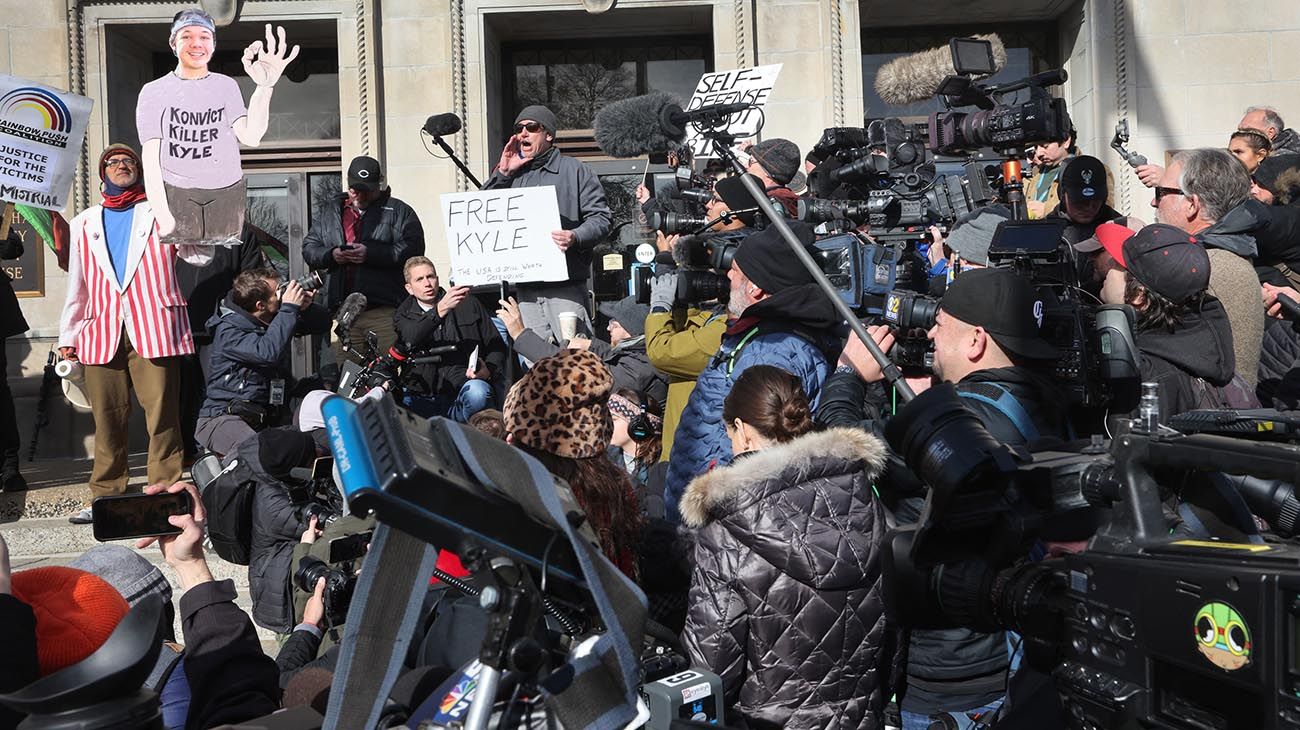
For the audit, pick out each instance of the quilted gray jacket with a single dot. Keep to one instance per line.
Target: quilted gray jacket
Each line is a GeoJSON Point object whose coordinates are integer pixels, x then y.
{"type": "Point", "coordinates": [785, 602]}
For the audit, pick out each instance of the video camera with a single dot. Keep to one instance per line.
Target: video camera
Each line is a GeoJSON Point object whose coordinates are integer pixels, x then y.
{"type": "Point", "coordinates": [385, 370]}
{"type": "Point", "coordinates": [1098, 354]}
{"type": "Point", "coordinates": [702, 277]}
{"type": "Point", "coordinates": [1141, 629]}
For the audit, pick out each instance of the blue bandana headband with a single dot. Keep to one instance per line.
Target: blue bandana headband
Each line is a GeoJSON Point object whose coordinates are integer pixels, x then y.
{"type": "Point", "coordinates": [188, 18]}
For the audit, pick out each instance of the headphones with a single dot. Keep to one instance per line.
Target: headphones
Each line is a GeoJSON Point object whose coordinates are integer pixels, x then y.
{"type": "Point", "coordinates": [640, 428]}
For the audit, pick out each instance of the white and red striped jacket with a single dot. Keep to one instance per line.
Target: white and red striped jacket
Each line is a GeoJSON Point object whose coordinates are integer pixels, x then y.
{"type": "Point", "coordinates": [149, 302]}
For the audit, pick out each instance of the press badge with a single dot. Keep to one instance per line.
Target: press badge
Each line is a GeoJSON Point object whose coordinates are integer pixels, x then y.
{"type": "Point", "coordinates": [277, 392]}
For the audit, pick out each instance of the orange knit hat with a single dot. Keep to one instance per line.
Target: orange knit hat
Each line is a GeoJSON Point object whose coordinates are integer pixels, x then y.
{"type": "Point", "coordinates": [75, 613]}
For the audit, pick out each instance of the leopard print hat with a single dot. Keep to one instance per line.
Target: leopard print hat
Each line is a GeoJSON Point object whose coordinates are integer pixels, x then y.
{"type": "Point", "coordinates": [559, 406]}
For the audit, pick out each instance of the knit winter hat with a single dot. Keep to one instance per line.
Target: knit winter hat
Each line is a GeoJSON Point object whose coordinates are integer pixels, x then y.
{"type": "Point", "coordinates": [75, 613]}
{"type": "Point", "coordinates": [780, 157]}
{"type": "Point", "coordinates": [117, 148]}
{"type": "Point", "coordinates": [767, 260]}
{"type": "Point", "coordinates": [541, 115]}
{"type": "Point", "coordinates": [126, 570]}
{"type": "Point", "coordinates": [560, 406]}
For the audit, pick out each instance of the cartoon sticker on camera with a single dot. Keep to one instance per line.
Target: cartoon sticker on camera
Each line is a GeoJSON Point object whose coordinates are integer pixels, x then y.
{"type": "Point", "coordinates": [1222, 636]}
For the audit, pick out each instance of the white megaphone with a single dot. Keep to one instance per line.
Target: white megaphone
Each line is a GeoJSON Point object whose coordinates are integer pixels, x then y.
{"type": "Point", "coordinates": [73, 375]}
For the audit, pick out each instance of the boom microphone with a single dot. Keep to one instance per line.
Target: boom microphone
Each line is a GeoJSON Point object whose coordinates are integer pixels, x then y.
{"type": "Point", "coordinates": [632, 127]}
{"type": "Point", "coordinates": [441, 125]}
{"type": "Point", "coordinates": [352, 307]}
{"type": "Point", "coordinates": [917, 77]}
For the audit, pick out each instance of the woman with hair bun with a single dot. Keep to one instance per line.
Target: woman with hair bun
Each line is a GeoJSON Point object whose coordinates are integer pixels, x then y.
{"type": "Point", "coordinates": [785, 602]}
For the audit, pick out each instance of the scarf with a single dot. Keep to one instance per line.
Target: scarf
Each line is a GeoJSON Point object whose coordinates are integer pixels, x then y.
{"type": "Point", "coordinates": [116, 198]}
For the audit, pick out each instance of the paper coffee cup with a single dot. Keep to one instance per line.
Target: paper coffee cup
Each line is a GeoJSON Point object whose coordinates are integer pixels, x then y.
{"type": "Point", "coordinates": [568, 325]}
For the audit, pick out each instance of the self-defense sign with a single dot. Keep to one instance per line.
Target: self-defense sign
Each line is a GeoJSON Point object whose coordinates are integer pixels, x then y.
{"type": "Point", "coordinates": [503, 235]}
{"type": "Point", "coordinates": [742, 85]}
{"type": "Point", "coordinates": [41, 131]}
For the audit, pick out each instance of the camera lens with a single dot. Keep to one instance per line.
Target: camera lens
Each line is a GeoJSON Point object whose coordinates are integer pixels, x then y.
{"type": "Point", "coordinates": [702, 286]}
{"type": "Point", "coordinates": [310, 570]}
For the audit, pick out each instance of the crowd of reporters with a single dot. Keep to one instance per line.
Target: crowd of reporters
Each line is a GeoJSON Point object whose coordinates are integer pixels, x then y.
{"type": "Point", "coordinates": [726, 440]}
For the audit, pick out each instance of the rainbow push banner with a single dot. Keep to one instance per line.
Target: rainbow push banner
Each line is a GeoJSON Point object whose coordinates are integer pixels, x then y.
{"type": "Point", "coordinates": [41, 132]}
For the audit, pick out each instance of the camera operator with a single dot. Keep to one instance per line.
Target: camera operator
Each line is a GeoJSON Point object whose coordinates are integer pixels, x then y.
{"type": "Point", "coordinates": [1042, 192]}
{"type": "Point", "coordinates": [1182, 333]}
{"type": "Point", "coordinates": [1083, 194]}
{"type": "Point", "coordinates": [986, 342]}
{"type": "Point", "coordinates": [432, 316]}
{"type": "Point", "coordinates": [231, 680]}
{"type": "Point", "coordinates": [778, 316]}
{"type": "Point", "coordinates": [249, 367]}
{"type": "Point", "coordinates": [775, 162]}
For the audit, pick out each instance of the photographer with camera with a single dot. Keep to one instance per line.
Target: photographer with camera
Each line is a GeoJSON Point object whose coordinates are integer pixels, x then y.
{"type": "Point", "coordinates": [987, 342]}
{"type": "Point", "coordinates": [249, 373]}
{"type": "Point", "coordinates": [231, 680]}
{"type": "Point", "coordinates": [432, 317]}
{"type": "Point", "coordinates": [778, 316]}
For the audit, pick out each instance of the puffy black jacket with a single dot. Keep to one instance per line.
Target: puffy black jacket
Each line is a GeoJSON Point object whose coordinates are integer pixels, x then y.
{"type": "Point", "coordinates": [1279, 366]}
{"type": "Point", "coordinates": [391, 232]}
{"type": "Point", "coordinates": [785, 600]}
{"type": "Point", "coordinates": [1199, 347]}
{"type": "Point", "coordinates": [247, 354]}
{"type": "Point", "coordinates": [467, 326]}
{"type": "Point", "coordinates": [276, 529]}
{"type": "Point", "coordinates": [950, 665]}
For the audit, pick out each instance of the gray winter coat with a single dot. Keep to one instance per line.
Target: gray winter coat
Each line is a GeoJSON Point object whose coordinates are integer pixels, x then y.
{"type": "Point", "coordinates": [785, 601]}
{"type": "Point", "coordinates": [581, 199]}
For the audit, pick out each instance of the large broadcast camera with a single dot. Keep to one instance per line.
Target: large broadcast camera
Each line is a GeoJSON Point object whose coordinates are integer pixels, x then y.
{"type": "Point", "coordinates": [900, 178]}
{"type": "Point", "coordinates": [1098, 353]}
{"type": "Point", "coordinates": [1141, 629]}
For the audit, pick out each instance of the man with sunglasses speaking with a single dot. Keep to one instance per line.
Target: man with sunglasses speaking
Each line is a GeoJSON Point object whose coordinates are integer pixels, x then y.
{"type": "Point", "coordinates": [530, 159]}
{"type": "Point", "coordinates": [1204, 192]}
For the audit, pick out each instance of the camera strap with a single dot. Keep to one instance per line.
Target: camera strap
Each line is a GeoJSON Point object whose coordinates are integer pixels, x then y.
{"type": "Point", "coordinates": [1000, 398]}
{"type": "Point", "coordinates": [380, 627]}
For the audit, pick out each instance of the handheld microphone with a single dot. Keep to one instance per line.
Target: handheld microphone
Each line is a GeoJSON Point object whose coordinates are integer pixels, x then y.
{"type": "Point", "coordinates": [917, 77]}
{"type": "Point", "coordinates": [352, 307]}
{"type": "Point", "coordinates": [441, 125]}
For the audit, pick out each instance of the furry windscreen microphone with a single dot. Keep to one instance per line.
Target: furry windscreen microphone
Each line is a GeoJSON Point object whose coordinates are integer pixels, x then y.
{"type": "Point", "coordinates": [635, 127]}
{"type": "Point", "coordinates": [917, 77]}
{"type": "Point", "coordinates": [353, 305]}
{"type": "Point", "coordinates": [441, 125]}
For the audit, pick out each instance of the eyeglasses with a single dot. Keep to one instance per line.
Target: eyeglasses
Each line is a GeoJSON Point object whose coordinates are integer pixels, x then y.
{"type": "Point", "coordinates": [532, 127]}
{"type": "Point", "coordinates": [1161, 192]}
{"type": "Point", "coordinates": [120, 162]}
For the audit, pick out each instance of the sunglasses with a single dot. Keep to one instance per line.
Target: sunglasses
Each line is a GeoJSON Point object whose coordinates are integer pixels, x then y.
{"type": "Point", "coordinates": [1161, 192]}
{"type": "Point", "coordinates": [532, 127]}
{"type": "Point", "coordinates": [120, 162]}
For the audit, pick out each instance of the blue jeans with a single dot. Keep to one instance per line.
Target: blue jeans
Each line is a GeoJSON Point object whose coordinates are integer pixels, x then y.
{"type": "Point", "coordinates": [966, 719]}
{"type": "Point", "coordinates": [474, 396]}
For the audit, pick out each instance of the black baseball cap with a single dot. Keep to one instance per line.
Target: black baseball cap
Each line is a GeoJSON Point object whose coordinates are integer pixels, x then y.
{"type": "Point", "coordinates": [1005, 305]}
{"type": "Point", "coordinates": [1167, 261]}
{"type": "Point", "coordinates": [1084, 178]}
{"type": "Point", "coordinates": [364, 173]}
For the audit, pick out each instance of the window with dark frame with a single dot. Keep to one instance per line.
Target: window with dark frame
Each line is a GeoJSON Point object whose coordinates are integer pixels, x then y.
{"type": "Point", "coordinates": [1031, 48]}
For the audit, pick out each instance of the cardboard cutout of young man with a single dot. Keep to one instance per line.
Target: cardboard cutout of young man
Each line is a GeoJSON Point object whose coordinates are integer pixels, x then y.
{"type": "Point", "coordinates": [191, 123]}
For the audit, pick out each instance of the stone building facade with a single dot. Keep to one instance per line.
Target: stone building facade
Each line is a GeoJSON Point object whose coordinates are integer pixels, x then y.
{"type": "Point", "coordinates": [372, 71]}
